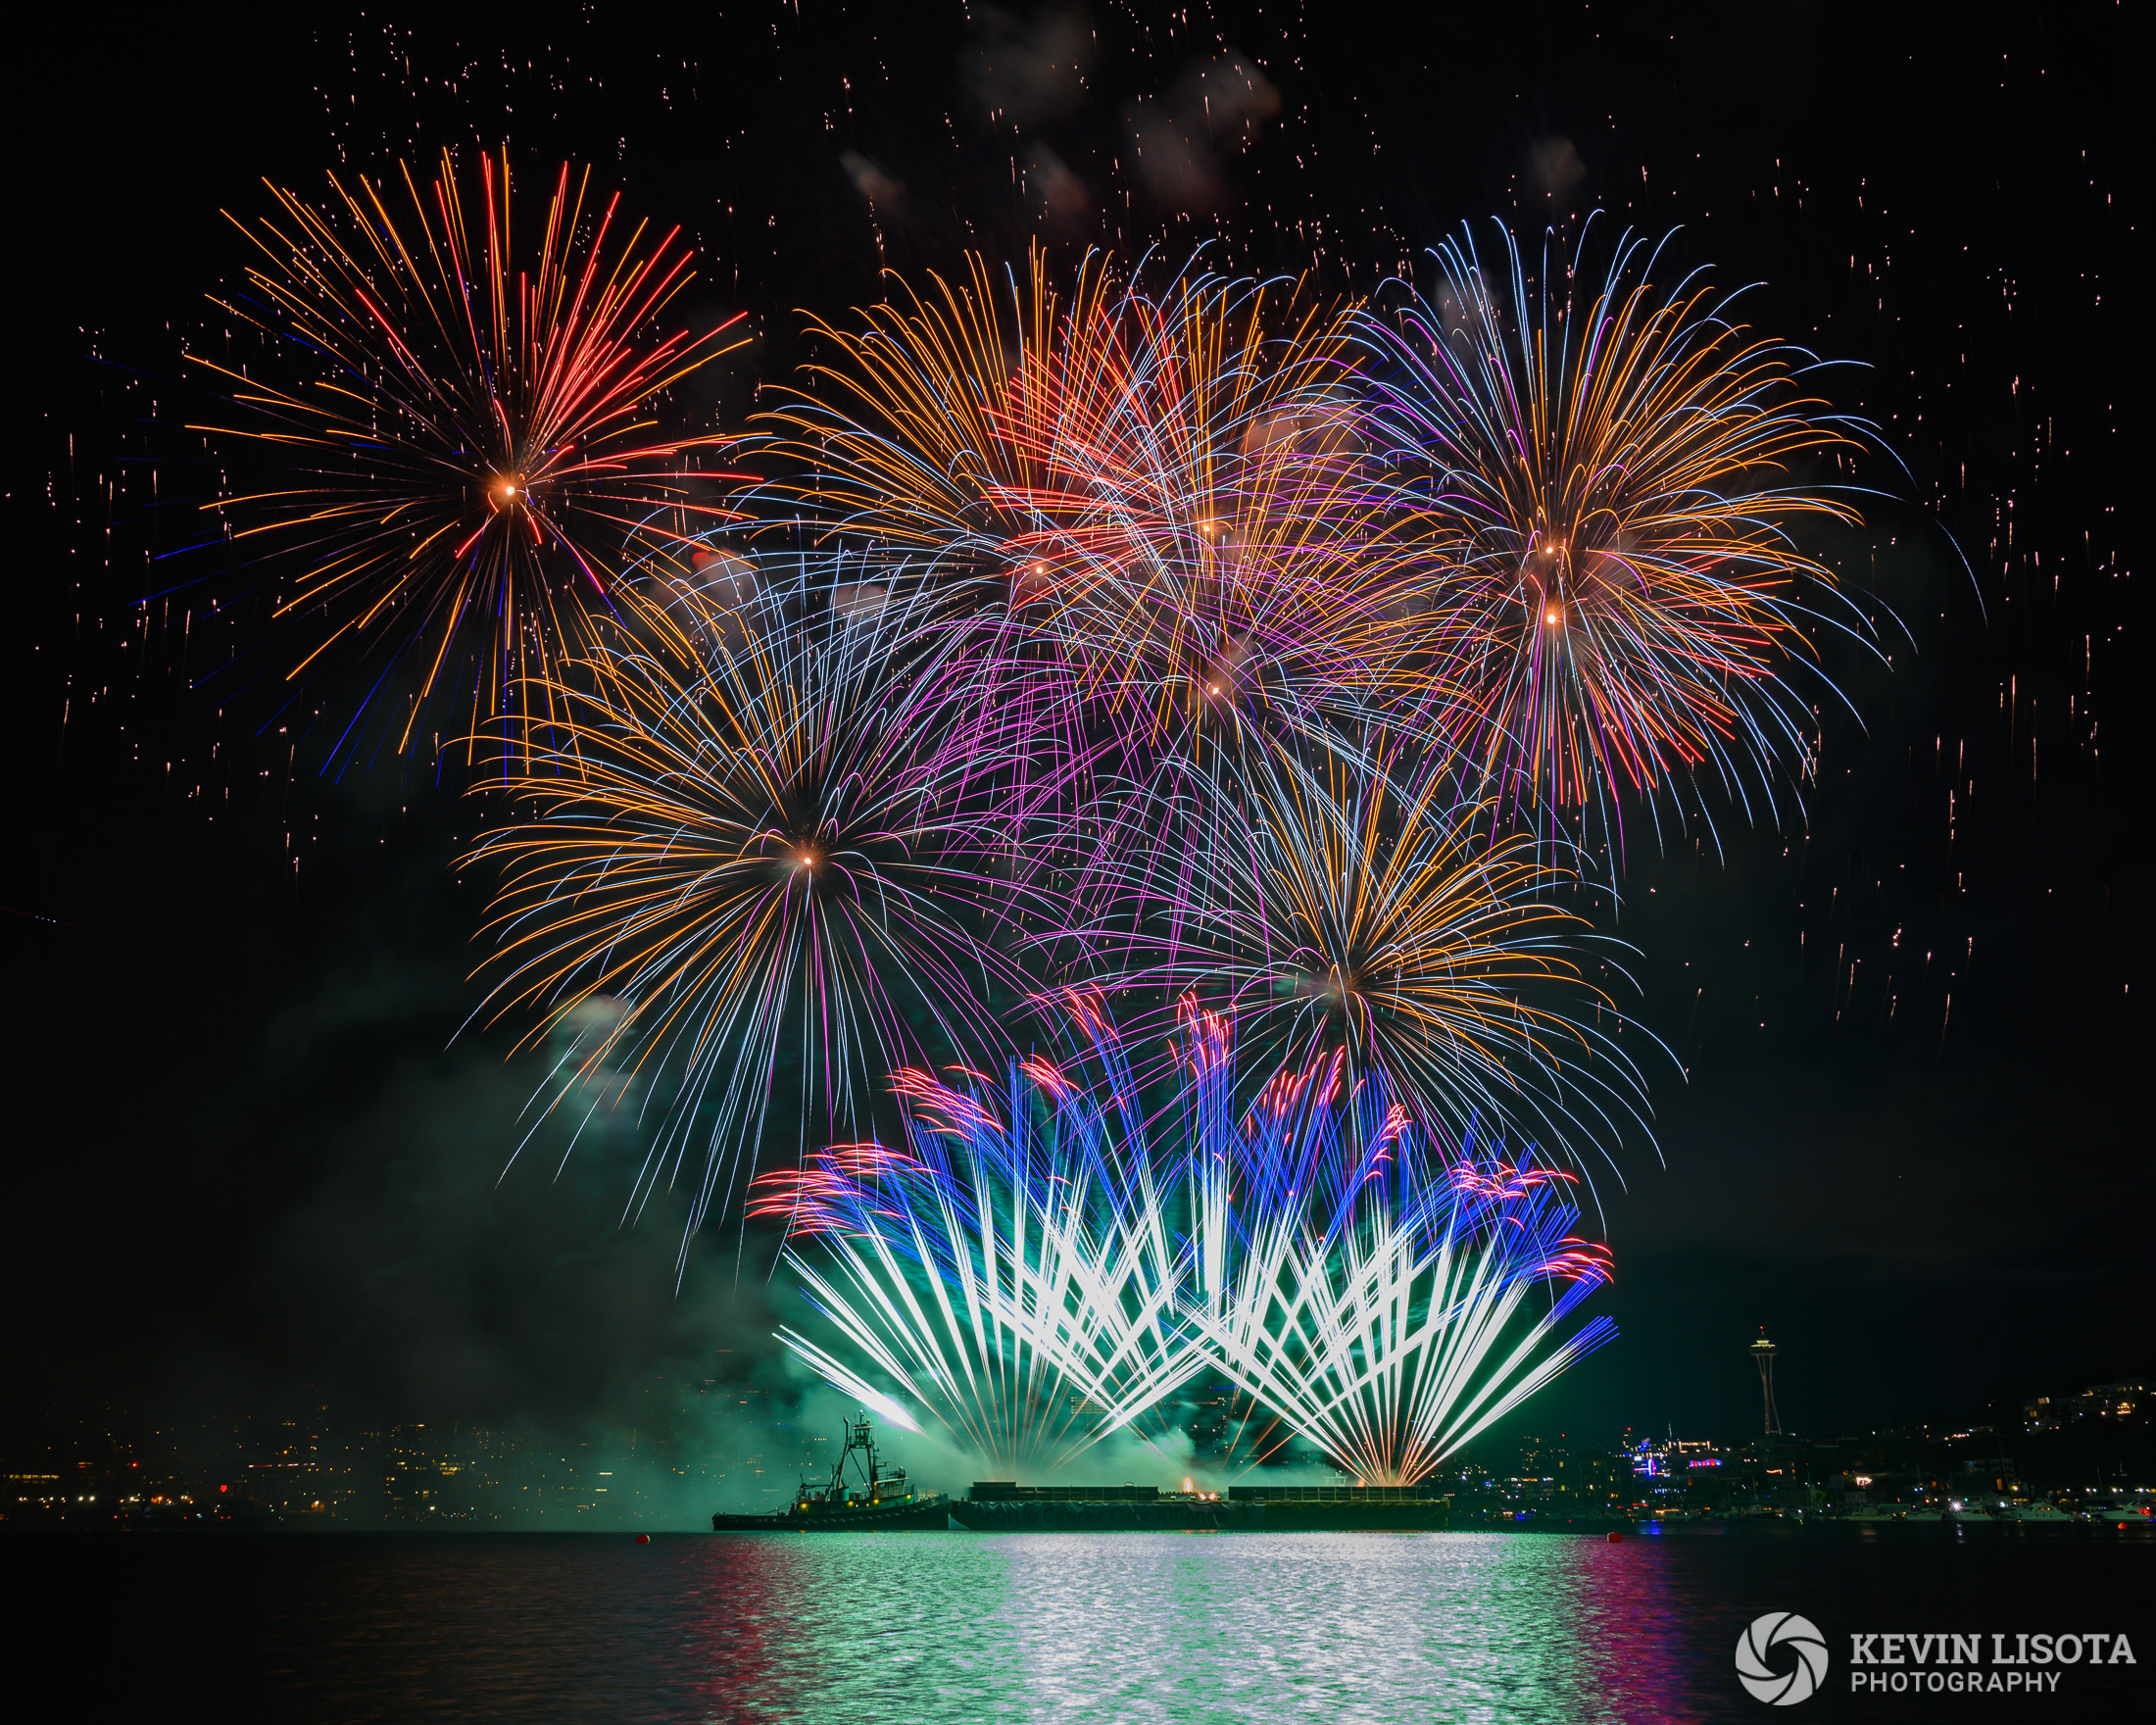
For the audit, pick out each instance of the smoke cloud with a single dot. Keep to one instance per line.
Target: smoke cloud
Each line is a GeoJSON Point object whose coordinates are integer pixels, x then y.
{"type": "Point", "coordinates": [1555, 166]}
{"type": "Point", "coordinates": [871, 182]}
{"type": "Point", "coordinates": [1216, 108]}
{"type": "Point", "coordinates": [1031, 69]}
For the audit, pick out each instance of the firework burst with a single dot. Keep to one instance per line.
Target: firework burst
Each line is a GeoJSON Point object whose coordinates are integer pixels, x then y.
{"type": "Point", "coordinates": [1013, 1277]}
{"type": "Point", "coordinates": [1169, 495]}
{"type": "Point", "coordinates": [1370, 914]}
{"type": "Point", "coordinates": [1613, 472]}
{"type": "Point", "coordinates": [1047, 1262]}
{"type": "Point", "coordinates": [1385, 1303]}
{"type": "Point", "coordinates": [471, 429]}
{"type": "Point", "coordinates": [760, 856]}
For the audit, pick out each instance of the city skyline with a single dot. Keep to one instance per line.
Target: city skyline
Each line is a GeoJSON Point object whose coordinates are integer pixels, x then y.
{"type": "Point", "coordinates": [707, 1444]}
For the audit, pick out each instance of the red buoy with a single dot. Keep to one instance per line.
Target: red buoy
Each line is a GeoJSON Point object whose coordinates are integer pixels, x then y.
{"type": "Point", "coordinates": [1616, 1537]}
{"type": "Point", "coordinates": [642, 1538]}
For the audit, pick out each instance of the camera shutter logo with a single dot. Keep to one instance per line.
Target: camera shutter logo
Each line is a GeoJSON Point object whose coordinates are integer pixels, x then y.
{"type": "Point", "coordinates": [1786, 1633]}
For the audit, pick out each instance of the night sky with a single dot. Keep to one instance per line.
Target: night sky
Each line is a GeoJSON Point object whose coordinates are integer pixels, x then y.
{"type": "Point", "coordinates": [250, 1151]}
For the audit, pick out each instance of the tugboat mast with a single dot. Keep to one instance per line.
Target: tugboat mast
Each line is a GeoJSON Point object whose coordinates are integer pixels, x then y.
{"type": "Point", "coordinates": [860, 1441]}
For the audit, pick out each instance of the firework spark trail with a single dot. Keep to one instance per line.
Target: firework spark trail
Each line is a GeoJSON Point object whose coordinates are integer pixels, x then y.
{"type": "Point", "coordinates": [763, 856]}
{"type": "Point", "coordinates": [1613, 472]}
{"type": "Point", "coordinates": [1043, 1268]}
{"type": "Point", "coordinates": [1013, 1276]}
{"type": "Point", "coordinates": [475, 431]}
{"type": "Point", "coordinates": [1380, 1303]}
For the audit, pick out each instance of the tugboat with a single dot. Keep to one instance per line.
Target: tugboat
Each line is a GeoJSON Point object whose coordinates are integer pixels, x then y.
{"type": "Point", "coordinates": [882, 1501]}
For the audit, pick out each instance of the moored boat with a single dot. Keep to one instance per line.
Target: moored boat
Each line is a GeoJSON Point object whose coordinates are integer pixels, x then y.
{"type": "Point", "coordinates": [2041, 1511]}
{"type": "Point", "coordinates": [2132, 1512]}
{"type": "Point", "coordinates": [883, 1500]}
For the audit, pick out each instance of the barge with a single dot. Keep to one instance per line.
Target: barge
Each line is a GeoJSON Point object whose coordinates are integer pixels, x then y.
{"type": "Point", "coordinates": [862, 1496]}
{"type": "Point", "coordinates": [1006, 1506]}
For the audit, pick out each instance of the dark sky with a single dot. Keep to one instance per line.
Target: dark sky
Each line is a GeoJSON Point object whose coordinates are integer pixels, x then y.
{"type": "Point", "coordinates": [246, 1154]}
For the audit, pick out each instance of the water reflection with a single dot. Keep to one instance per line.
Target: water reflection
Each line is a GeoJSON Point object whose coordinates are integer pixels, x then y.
{"type": "Point", "coordinates": [1228, 1627]}
{"type": "Point", "coordinates": [742, 1632]}
{"type": "Point", "coordinates": [1190, 1629]}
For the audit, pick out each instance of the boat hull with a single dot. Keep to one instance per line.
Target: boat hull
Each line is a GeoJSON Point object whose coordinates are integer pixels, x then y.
{"type": "Point", "coordinates": [1088, 1516]}
{"type": "Point", "coordinates": [865, 1518]}
{"type": "Point", "coordinates": [1003, 1516]}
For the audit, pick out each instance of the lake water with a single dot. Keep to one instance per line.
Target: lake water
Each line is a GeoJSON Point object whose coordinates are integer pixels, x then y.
{"type": "Point", "coordinates": [864, 1628]}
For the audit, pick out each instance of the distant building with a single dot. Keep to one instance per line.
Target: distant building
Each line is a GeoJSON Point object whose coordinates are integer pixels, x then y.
{"type": "Point", "coordinates": [1763, 1353]}
{"type": "Point", "coordinates": [2047, 1413]}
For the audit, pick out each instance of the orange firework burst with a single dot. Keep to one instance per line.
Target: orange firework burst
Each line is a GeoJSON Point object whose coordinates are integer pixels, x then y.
{"type": "Point", "coordinates": [1614, 473]}
{"type": "Point", "coordinates": [473, 434]}
{"type": "Point", "coordinates": [762, 858]}
{"type": "Point", "coordinates": [1170, 491]}
{"type": "Point", "coordinates": [1371, 918]}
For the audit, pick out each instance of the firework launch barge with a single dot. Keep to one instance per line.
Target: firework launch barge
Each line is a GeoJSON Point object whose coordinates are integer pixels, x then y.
{"type": "Point", "coordinates": [881, 1501]}
{"type": "Point", "coordinates": [1005, 1507]}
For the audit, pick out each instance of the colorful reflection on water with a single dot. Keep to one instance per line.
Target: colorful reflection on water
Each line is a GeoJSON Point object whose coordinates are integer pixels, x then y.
{"type": "Point", "coordinates": [1187, 1629]}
